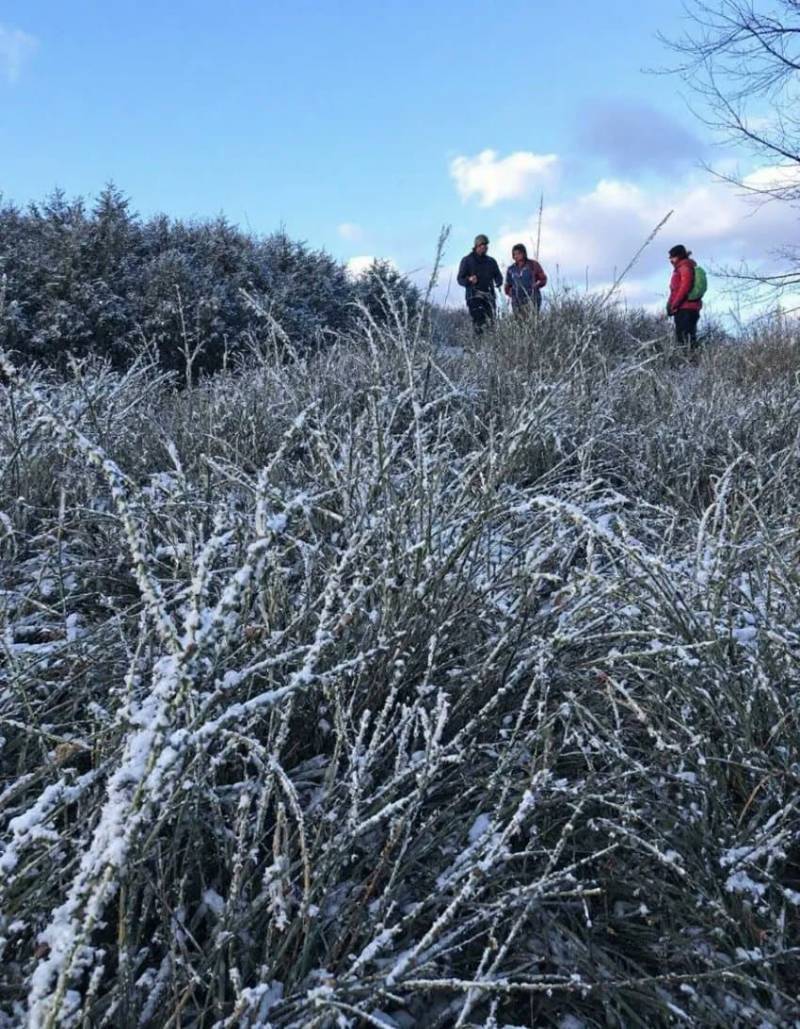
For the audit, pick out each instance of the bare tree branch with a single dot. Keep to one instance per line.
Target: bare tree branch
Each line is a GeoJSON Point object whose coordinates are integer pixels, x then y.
{"type": "Point", "coordinates": [741, 59]}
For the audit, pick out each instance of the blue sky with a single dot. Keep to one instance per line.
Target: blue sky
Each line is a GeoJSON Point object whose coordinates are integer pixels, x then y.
{"type": "Point", "coordinates": [363, 127]}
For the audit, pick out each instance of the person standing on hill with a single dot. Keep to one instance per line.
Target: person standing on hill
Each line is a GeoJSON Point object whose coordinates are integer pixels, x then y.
{"type": "Point", "coordinates": [525, 279]}
{"type": "Point", "coordinates": [479, 275]}
{"type": "Point", "coordinates": [684, 310]}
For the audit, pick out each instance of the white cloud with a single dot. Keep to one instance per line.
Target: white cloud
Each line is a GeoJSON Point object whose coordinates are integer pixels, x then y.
{"type": "Point", "coordinates": [493, 179]}
{"type": "Point", "coordinates": [350, 231]}
{"type": "Point", "coordinates": [16, 47]}
{"type": "Point", "coordinates": [774, 177]}
{"type": "Point", "coordinates": [595, 234]}
{"type": "Point", "coordinates": [357, 265]}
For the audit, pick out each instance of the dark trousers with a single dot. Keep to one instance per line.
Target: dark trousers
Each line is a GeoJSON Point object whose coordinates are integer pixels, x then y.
{"type": "Point", "coordinates": [686, 328]}
{"type": "Point", "coordinates": [481, 311]}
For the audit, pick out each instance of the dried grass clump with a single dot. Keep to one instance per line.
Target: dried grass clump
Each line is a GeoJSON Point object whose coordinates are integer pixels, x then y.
{"type": "Point", "coordinates": [396, 685]}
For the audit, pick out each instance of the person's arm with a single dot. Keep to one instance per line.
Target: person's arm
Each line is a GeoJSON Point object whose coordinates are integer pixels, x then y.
{"type": "Point", "coordinates": [673, 282]}
{"type": "Point", "coordinates": [463, 272]}
{"type": "Point", "coordinates": [539, 277]}
{"type": "Point", "coordinates": [508, 287]}
{"type": "Point", "coordinates": [684, 286]}
{"type": "Point", "coordinates": [498, 275]}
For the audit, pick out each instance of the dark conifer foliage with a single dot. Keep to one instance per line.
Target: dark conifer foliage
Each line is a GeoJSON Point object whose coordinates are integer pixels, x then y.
{"type": "Point", "coordinates": [80, 280]}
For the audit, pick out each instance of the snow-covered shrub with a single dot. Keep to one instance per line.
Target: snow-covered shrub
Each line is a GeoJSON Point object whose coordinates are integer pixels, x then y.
{"type": "Point", "coordinates": [397, 685]}
{"type": "Point", "coordinates": [104, 283]}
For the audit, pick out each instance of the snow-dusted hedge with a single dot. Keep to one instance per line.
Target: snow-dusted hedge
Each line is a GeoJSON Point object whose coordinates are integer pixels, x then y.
{"type": "Point", "coordinates": [103, 282]}
{"type": "Point", "coordinates": [401, 686]}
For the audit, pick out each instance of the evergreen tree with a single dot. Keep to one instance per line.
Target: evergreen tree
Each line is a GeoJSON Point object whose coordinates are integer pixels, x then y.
{"type": "Point", "coordinates": [103, 281]}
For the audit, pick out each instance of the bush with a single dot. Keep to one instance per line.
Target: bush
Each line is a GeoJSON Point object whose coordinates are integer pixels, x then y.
{"type": "Point", "coordinates": [107, 284]}
{"type": "Point", "coordinates": [397, 685]}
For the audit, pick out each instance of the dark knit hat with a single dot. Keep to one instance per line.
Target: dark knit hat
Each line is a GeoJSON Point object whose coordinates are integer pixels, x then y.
{"type": "Point", "coordinates": [679, 251]}
{"type": "Point", "coordinates": [480, 238]}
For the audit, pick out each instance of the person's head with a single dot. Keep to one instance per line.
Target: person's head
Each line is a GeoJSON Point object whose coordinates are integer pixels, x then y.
{"type": "Point", "coordinates": [481, 244]}
{"type": "Point", "coordinates": [519, 253]}
{"type": "Point", "coordinates": [678, 253]}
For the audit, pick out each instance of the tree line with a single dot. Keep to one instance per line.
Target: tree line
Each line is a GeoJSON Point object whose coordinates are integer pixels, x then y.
{"type": "Point", "coordinates": [100, 280]}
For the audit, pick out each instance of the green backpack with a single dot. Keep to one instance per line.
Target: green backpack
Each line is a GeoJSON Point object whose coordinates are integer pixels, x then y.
{"type": "Point", "coordinates": [699, 284]}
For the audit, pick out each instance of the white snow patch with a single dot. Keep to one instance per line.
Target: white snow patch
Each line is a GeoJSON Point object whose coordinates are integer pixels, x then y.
{"type": "Point", "coordinates": [480, 827]}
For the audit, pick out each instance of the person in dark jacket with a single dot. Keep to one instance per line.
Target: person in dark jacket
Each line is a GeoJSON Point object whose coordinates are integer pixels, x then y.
{"type": "Point", "coordinates": [479, 275]}
{"type": "Point", "coordinates": [685, 312]}
{"type": "Point", "coordinates": [525, 279]}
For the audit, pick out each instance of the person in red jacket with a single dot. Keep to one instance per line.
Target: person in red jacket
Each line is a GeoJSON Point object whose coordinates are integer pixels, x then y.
{"type": "Point", "coordinates": [685, 312]}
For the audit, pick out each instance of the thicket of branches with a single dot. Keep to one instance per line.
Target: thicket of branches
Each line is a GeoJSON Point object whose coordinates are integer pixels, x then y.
{"type": "Point", "coordinates": [78, 281]}
{"type": "Point", "coordinates": [394, 686]}
{"type": "Point", "coordinates": [740, 60]}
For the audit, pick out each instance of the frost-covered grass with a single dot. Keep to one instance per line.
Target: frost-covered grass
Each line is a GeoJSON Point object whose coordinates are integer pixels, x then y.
{"type": "Point", "coordinates": [396, 686]}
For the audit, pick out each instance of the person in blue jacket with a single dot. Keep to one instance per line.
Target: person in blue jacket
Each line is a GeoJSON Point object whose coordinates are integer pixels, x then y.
{"type": "Point", "coordinates": [525, 279]}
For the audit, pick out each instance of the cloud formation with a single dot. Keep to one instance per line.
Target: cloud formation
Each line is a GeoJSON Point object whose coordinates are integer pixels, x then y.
{"type": "Point", "coordinates": [350, 231]}
{"type": "Point", "coordinates": [774, 178]}
{"type": "Point", "coordinates": [635, 138]}
{"type": "Point", "coordinates": [595, 234]}
{"type": "Point", "coordinates": [358, 265]}
{"type": "Point", "coordinates": [492, 179]}
{"type": "Point", "coordinates": [16, 47]}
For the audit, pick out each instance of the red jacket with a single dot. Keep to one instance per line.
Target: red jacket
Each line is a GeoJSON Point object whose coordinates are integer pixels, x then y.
{"type": "Point", "coordinates": [680, 286]}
